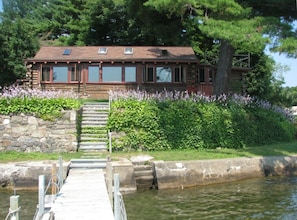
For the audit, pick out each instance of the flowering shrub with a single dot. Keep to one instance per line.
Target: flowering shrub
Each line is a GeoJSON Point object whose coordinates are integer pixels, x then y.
{"type": "Point", "coordinates": [14, 100]}
{"type": "Point", "coordinates": [178, 120]}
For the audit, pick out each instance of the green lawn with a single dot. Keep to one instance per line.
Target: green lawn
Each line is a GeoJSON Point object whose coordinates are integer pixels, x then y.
{"type": "Point", "coordinates": [12, 156]}
{"type": "Point", "coordinates": [280, 149]}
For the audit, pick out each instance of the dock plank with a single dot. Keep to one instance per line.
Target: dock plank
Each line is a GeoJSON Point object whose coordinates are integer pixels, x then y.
{"type": "Point", "coordinates": [83, 196]}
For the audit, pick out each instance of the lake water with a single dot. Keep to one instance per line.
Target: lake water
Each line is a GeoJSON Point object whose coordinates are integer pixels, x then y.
{"type": "Point", "coordinates": [28, 201]}
{"type": "Point", "coordinates": [270, 198]}
{"type": "Point", "coordinates": [265, 198]}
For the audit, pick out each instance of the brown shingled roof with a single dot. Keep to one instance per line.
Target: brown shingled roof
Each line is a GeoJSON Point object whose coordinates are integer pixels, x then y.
{"type": "Point", "coordinates": [114, 53]}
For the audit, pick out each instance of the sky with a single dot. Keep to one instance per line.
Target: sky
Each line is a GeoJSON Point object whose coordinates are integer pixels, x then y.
{"type": "Point", "coordinates": [290, 77]}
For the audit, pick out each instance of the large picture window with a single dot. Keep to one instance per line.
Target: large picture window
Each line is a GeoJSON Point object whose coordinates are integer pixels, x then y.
{"type": "Point", "coordinates": [60, 74]}
{"type": "Point", "coordinates": [93, 74]}
{"type": "Point", "coordinates": [130, 74]}
{"type": "Point", "coordinates": [163, 74]}
{"type": "Point", "coordinates": [45, 75]}
{"type": "Point", "coordinates": [111, 74]}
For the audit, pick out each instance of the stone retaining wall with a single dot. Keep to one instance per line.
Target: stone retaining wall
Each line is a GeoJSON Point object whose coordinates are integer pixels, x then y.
{"type": "Point", "coordinates": [182, 174]}
{"type": "Point", "coordinates": [24, 133]}
{"type": "Point", "coordinates": [24, 175]}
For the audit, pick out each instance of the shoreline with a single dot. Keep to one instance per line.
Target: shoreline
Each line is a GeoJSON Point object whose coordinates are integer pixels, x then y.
{"type": "Point", "coordinates": [168, 174]}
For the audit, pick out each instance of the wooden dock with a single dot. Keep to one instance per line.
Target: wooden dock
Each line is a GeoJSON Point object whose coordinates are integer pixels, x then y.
{"type": "Point", "coordinates": [83, 196]}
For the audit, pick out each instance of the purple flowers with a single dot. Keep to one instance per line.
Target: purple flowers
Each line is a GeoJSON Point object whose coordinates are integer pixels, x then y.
{"type": "Point", "coordinates": [224, 99]}
{"type": "Point", "coordinates": [18, 92]}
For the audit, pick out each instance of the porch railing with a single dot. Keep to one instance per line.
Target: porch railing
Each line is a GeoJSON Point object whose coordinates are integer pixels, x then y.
{"type": "Point", "coordinates": [239, 60]}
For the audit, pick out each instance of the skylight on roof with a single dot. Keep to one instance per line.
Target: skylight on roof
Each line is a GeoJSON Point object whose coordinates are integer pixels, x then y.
{"type": "Point", "coordinates": [164, 52]}
{"type": "Point", "coordinates": [102, 50]}
{"type": "Point", "coordinates": [128, 50]}
{"type": "Point", "coordinates": [67, 52]}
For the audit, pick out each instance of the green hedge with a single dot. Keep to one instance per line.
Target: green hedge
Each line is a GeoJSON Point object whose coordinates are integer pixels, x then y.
{"type": "Point", "coordinates": [182, 124]}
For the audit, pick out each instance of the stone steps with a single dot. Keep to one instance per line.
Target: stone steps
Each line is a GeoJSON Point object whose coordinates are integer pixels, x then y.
{"type": "Point", "coordinates": [144, 177]}
{"type": "Point", "coordinates": [93, 137]}
{"type": "Point", "coordinates": [94, 122]}
{"type": "Point", "coordinates": [93, 148]}
{"type": "Point", "coordinates": [88, 163]}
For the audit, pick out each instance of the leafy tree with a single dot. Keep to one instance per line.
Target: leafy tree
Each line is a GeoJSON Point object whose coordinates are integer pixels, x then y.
{"type": "Point", "coordinates": [293, 94]}
{"type": "Point", "coordinates": [16, 41]}
{"type": "Point", "coordinates": [259, 79]}
{"type": "Point", "coordinates": [280, 17]}
{"type": "Point", "coordinates": [59, 22]}
{"type": "Point", "coordinates": [105, 22]}
{"type": "Point", "coordinates": [147, 26]}
{"type": "Point", "coordinates": [14, 9]}
{"type": "Point", "coordinates": [106, 26]}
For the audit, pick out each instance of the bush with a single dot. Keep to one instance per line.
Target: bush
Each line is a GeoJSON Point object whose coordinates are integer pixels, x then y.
{"type": "Point", "coordinates": [181, 121]}
{"type": "Point", "coordinates": [139, 120]}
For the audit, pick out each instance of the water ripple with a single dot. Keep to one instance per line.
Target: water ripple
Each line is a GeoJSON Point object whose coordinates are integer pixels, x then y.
{"type": "Point", "coordinates": [273, 198]}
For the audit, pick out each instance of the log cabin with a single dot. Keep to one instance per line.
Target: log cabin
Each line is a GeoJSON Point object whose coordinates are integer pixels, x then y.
{"type": "Point", "coordinates": [92, 71]}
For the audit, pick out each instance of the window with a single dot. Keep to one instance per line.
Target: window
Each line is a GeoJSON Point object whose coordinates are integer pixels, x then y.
{"type": "Point", "coordinates": [128, 50]}
{"type": "Point", "coordinates": [60, 74]}
{"type": "Point", "coordinates": [148, 74]}
{"type": "Point", "coordinates": [45, 75]}
{"type": "Point", "coordinates": [102, 50]}
{"type": "Point", "coordinates": [75, 73]}
{"type": "Point", "coordinates": [179, 74]}
{"type": "Point", "coordinates": [130, 74]}
{"type": "Point", "coordinates": [93, 74]}
{"type": "Point", "coordinates": [163, 74]}
{"type": "Point", "coordinates": [111, 74]}
{"type": "Point", "coordinates": [211, 76]}
{"type": "Point", "coordinates": [201, 75]}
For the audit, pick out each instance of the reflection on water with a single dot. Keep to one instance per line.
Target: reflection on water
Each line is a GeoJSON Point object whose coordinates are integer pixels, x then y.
{"type": "Point", "coordinates": [271, 198]}
{"type": "Point", "coordinates": [28, 201]}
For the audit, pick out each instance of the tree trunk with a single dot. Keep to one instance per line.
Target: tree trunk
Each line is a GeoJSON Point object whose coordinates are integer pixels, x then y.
{"type": "Point", "coordinates": [224, 68]}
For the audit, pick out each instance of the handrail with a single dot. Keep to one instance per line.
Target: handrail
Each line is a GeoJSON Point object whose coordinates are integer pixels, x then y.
{"type": "Point", "coordinates": [109, 132]}
{"type": "Point", "coordinates": [123, 213]}
{"type": "Point", "coordinates": [52, 182]}
{"type": "Point", "coordinates": [119, 206]}
{"type": "Point", "coordinates": [42, 190]}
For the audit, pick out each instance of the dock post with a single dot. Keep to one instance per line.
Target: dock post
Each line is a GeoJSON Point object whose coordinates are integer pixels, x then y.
{"type": "Point", "coordinates": [14, 206]}
{"type": "Point", "coordinates": [54, 179]}
{"type": "Point", "coordinates": [61, 174]}
{"type": "Point", "coordinates": [116, 197]}
{"type": "Point", "coordinates": [41, 191]}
